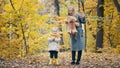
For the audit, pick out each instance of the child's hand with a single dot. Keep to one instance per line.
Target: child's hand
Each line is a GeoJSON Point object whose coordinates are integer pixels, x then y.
{"type": "Point", "coordinates": [53, 38]}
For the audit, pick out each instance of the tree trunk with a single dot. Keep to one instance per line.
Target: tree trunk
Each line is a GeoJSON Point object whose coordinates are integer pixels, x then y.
{"type": "Point", "coordinates": [1, 20]}
{"type": "Point", "coordinates": [117, 5]}
{"type": "Point", "coordinates": [100, 31]}
{"type": "Point", "coordinates": [24, 38]}
{"type": "Point", "coordinates": [61, 42]}
{"type": "Point", "coordinates": [78, 5]}
{"type": "Point", "coordinates": [109, 29]}
{"type": "Point", "coordinates": [57, 8]}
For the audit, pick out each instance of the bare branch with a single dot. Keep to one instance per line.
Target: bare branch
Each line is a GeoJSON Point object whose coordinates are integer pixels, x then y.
{"type": "Point", "coordinates": [12, 5]}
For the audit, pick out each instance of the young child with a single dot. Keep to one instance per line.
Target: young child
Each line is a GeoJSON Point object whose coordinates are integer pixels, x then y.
{"type": "Point", "coordinates": [71, 24]}
{"type": "Point", "coordinates": [53, 46]}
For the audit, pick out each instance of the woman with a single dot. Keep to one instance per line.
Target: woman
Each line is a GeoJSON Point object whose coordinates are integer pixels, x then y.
{"type": "Point", "coordinates": [77, 40]}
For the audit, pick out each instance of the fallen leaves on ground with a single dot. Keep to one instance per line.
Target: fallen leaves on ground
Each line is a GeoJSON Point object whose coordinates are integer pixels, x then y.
{"type": "Point", "coordinates": [89, 60]}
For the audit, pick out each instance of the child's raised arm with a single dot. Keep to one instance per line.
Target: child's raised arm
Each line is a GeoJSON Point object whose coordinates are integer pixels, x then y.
{"type": "Point", "coordinates": [50, 39]}
{"type": "Point", "coordinates": [57, 39]}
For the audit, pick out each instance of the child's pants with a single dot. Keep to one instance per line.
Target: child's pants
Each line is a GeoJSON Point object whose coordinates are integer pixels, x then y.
{"type": "Point", "coordinates": [53, 54]}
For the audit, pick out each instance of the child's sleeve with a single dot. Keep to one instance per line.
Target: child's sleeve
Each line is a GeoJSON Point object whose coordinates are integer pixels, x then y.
{"type": "Point", "coordinates": [57, 39]}
{"type": "Point", "coordinates": [50, 39]}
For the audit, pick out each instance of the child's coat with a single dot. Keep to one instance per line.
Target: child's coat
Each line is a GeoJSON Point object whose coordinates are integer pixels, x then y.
{"type": "Point", "coordinates": [53, 44]}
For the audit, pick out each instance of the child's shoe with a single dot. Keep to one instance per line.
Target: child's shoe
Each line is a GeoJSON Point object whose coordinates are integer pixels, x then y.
{"type": "Point", "coordinates": [51, 60]}
{"type": "Point", "coordinates": [56, 62]}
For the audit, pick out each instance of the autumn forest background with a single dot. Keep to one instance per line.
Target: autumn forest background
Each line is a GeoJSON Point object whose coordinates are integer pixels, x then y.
{"type": "Point", "coordinates": [25, 26]}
